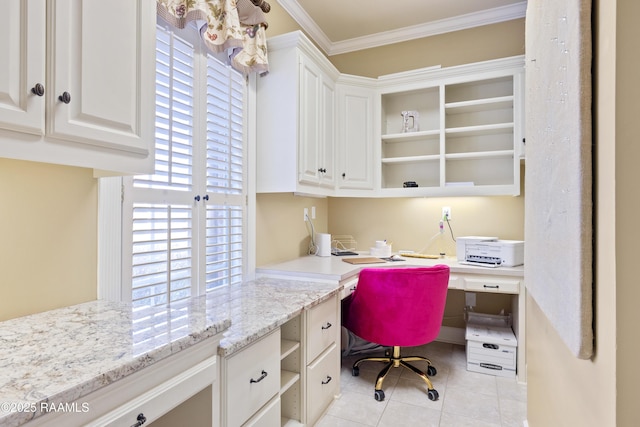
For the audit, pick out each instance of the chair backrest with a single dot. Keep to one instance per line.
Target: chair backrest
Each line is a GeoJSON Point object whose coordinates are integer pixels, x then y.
{"type": "Point", "coordinates": [398, 306]}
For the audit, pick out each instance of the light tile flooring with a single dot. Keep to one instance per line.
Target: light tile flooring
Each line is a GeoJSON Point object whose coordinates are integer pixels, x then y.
{"type": "Point", "coordinates": [466, 398]}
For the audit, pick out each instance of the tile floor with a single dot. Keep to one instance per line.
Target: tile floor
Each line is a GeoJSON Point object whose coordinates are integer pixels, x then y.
{"type": "Point", "coordinates": [466, 398]}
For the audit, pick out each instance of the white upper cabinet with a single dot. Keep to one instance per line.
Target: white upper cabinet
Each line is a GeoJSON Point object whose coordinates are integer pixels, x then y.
{"type": "Point", "coordinates": [455, 131]}
{"type": "Point", "coordinates": [22, 47]}
{"type": "Point", "coordinates": [86, 90]}
{"type": "Point", "coordinates": [355, 125]}
{"type": "Point", "coordinates": [102, 62]}
{"type": "Point", "coordinates": [316, 125]}
{"type": "Point", "coordinates": [296, 119]}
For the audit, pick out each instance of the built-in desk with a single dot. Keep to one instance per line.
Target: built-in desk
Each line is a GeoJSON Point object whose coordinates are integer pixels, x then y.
{"type": "Point", "coordinates": [500, 280]}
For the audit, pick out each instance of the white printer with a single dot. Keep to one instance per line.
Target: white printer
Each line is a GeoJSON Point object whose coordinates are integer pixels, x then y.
{"type": "Point", "coordinates": [489, 251]}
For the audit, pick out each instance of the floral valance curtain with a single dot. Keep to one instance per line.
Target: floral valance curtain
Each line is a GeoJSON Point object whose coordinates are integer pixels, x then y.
{"type": "Point", "coordinates": [236, 26]}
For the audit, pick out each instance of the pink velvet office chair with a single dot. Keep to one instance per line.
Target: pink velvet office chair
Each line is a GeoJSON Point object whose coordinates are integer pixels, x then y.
{"type": "Point", "coordinates": [398, 307]}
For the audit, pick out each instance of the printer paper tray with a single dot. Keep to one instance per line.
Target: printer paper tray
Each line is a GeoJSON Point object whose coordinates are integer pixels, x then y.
{"type": "Point", "coordinates": [479, 264]}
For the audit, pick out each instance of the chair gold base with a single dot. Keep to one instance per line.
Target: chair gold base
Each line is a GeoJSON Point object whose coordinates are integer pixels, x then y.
{"type": "Point", "coordinates": [396, 361]}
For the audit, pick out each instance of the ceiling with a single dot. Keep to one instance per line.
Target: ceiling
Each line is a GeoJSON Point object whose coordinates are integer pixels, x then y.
{"type": "Point", "coordinates": [341, 26]}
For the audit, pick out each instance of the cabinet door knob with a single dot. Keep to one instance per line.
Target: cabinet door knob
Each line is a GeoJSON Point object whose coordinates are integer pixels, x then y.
{"type": "Point", "coordinates": [326, 325]}
{"type": "Point", "coordinates": [205, 197]}
{"type": "Point", "coordinates": [65, 97]}
{"type": "Point", "coordinates": [197, 198]}
{"type": "Point", "coordinates": [141, 420]}
{"type": "Point", "coordinates": [344, 175]}
{"type": "Point", "coordinates": [327, 381]}
{"type": "Point", "coordinates": [38, 89]}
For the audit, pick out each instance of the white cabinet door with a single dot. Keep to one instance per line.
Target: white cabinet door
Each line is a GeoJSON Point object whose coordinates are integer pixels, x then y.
{"type": "Point", "coordinates": [296, 129]}
{"type": "Point", "coordinates": [102, 56]}
{"type": "Point", "coordinates": [316, 125]}
{"type": "Point", "coordinates": [308, 123]}
{"type": "Point", "coordinates": [327, 133]}
{"type": "Point", "coordinates": [22, 49]}
{"type": "Point", "coordinates": [355, 136]}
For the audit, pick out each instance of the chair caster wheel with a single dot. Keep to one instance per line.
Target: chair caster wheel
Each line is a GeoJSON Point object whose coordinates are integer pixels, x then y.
{"type": "Point", "coordinates": [432, 371]}
{"type": "Point", "coordinates": [433, 395]}
{"type": "Point", "coordinates": [379, 395]}
{"type": "Point", "coordinates": [355, 371]}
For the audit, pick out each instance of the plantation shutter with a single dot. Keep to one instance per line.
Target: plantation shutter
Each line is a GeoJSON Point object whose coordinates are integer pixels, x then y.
{"type": "Point", "coordinates": [188, 218]}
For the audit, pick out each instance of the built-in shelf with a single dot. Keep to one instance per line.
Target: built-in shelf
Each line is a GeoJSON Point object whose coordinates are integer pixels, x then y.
{"type": "Point", "coordinates": [411, 159]}
{"type": "Point", "coordinates": [479, 105]}
{"type": "Point", "coordinates": [480, 155]}
{"type": "Point", "coordinates": [473, 121]}
{"type": "Point", "coordinates": [286, 422]}
{"type": "Point", "coordinates": [291, 398]}
{"type": "Point", "coordinates": [288, 347]}
{"type": "Point", "coordinates": [411, 136]}
{"type": "Point", "coordinates": [480, 129]}
{"type": "Point", "coordinates": [287, 379]}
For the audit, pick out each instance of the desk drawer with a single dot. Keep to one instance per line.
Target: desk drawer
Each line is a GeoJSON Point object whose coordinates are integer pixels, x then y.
{"type": "Point", "coordinates": [268, 416]}
{"type": "Point", "coordinates": [456, 282]}
{"type": "Point", "coordinates": [322, 328]}
{"type": "Point", "coordinates": [323, 383]}
{"type": "Point", "coordinates": [253, 378]}
{"type": "Point", "coordinates": [348, 288]}
{"type": "Point", "coordinates": [492, 284]}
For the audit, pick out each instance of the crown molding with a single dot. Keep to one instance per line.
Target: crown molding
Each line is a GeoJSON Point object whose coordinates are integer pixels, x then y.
{"type": "Point", "coordinates": [458, 23]}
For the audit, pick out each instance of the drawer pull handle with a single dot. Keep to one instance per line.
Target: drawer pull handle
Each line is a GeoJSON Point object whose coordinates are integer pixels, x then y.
{"type": "Point", "coordinates": [141, 420]}
{"type": "Point", "coordinates": [264, 374]}
{"type": "Point", "coordinates": [327, 381]}
{"type": "Point", "coordinates": [491, 286]}
{"type": "Point", "coordinates": [327, 325]}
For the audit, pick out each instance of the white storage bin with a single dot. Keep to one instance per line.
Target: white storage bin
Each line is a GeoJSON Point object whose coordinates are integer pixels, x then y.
{"type": "Point", "coordinates": [491, 350]}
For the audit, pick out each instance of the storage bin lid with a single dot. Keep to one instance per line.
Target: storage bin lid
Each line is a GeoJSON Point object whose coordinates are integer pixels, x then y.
{"type": "Point", "coordinates": [491, 334]}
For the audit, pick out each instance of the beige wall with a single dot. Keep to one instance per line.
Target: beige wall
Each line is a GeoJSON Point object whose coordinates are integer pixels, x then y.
{"type": "Point", "coordinates": [48, 217]}
{"type": "Point", "coordinates": [627, 202]}
{"type": "Point", "coordinates": [461, 47]}
{"type": "Point", "coordinates": [281, 232]}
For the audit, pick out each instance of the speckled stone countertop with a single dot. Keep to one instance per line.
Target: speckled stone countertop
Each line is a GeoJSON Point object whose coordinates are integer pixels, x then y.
{"type": "Point", "coordinates": [261, 306]}
{"type": "Point", "coordinates": [62, 355]}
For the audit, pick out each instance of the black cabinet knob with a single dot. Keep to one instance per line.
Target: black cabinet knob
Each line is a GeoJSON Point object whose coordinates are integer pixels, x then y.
{"type": "Point", "coordinates": [141, 420]}
{"type": "Point", "coordinates": [65, 97]}
{"type": "Point", "coordinates": [38, 89]}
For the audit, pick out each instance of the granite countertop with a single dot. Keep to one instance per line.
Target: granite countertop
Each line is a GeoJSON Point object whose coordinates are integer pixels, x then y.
{"type": "Point", "coordinates": [64, 354]}
{"type": "Point", "coordinates": [261, 306]}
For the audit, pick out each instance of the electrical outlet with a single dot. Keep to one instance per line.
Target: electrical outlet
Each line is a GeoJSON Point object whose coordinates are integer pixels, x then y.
{"type": "Point", "coordinates": [446, 213]}
{"type": "Point", "coordinates": [470, 299]}
{"type": "Point", "coordinates": [313, 212]}
{"type": "Point", "coordinates": [306, 214]}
